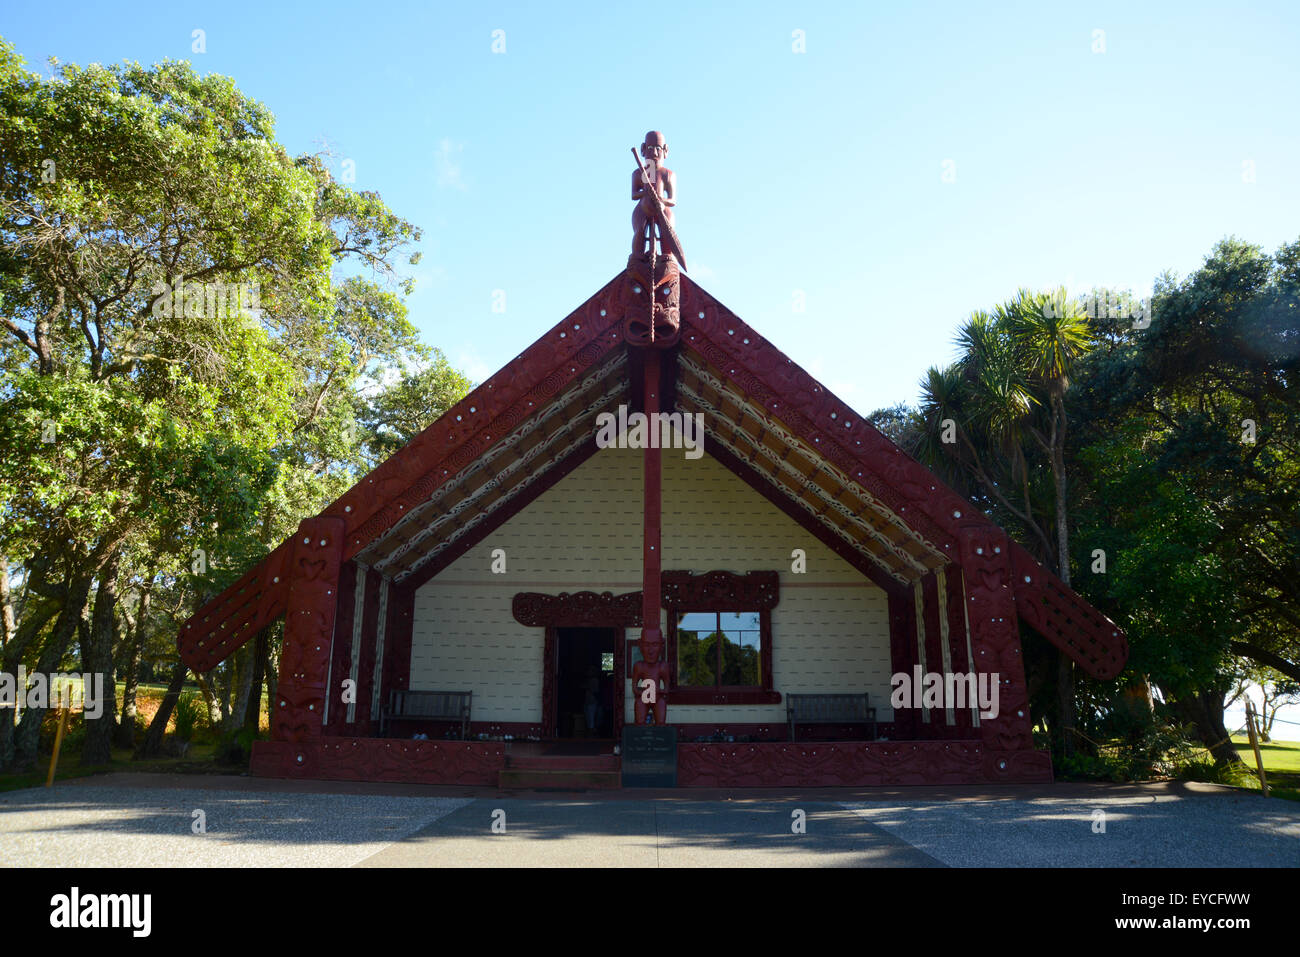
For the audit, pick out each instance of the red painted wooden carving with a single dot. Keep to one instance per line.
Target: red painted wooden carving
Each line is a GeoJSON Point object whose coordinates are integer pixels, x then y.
{"type": "Point", "coordinates": [638, 291]}
{"type": "Point", "coordinates": [651, 698]}
{"type": "Point", "coordinates": [222, 625]}
{"type": "Point", "coordinates": [1057, 613]}
{"type": "Point", "coordinates": [341, 660]}
{"type": "Point", "coordinates": [902, 656]}
{"type": "Point", "coordinates": [584, 609]}
{"type": "Point", "coordinates": [475, 763]}
{"type": "Point", "coordinates": [379, 500]}
{"type": "Point", "coordinates": [721, 591]}
{"type": "Point", "coordinates": [995, 635]}
{"type": "Point", "coordinates": [914, 493]}
{"type": "Point", "coordinates": [855, 764]}
{"type": "Point", "coordinates": [311, 606]}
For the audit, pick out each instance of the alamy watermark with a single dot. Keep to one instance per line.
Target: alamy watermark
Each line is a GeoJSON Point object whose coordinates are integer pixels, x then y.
{"type": "Point", "coordinates": [75, 909]}
{"type": "Point", "coordinates": [930, 689]}
{"type": "Point", "coordinates": [207, 300]}
{"type": "Point", "coordinates": [1109, 306]}
{"type": "Point", "coordinates": [57, 690]}
{"type": "Point", "coordinates": [667, 430]}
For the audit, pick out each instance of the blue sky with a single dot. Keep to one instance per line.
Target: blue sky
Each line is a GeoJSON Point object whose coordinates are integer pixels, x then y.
{"type": "Point", "coordinates": [816, 174]}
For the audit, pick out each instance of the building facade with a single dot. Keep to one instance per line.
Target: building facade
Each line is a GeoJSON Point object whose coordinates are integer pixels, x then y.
{"type": "Point", "coordinates": [508, 554]}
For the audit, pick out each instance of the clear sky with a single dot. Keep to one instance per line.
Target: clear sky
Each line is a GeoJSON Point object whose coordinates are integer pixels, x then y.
{"type": "Point", "coordinates": [818, 174]}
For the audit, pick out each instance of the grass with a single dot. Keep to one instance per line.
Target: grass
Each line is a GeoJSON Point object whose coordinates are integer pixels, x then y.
{"type": "Point", "coordinates": [1281, 765]}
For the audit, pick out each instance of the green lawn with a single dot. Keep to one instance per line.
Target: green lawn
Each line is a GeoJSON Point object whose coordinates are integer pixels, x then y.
{"type": "Point", "coordinates": [1281, 765]}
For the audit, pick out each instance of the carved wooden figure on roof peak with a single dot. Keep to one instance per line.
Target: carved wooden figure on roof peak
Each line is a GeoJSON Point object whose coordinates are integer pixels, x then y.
{"type": "Point", "coordinates": [651, 295]}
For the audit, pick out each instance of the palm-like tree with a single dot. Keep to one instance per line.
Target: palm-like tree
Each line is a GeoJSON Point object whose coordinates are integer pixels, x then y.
{"type": "Point", "coordinates": [1049, 333]}
{"type": "Point", "coordinates": [1005, 397]}
{"type": "Point", "coordinates": [974, 415]}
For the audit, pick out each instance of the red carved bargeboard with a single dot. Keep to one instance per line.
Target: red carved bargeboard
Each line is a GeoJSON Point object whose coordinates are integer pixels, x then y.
{"type": "Point", "coordinates": [411, 476]}
{"type": "Point", "coordinates": [1056, 612]}
{"type": "Point", "coordinates": [234, 616]}
{"type": "Point", "coordinates": [774, 383]}
{"type": "Point", "coordinates": [856, 764]}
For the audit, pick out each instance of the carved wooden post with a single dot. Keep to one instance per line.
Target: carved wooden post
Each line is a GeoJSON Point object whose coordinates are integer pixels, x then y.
{"type": "Point", "coordinates": [308, 627]}
{"type": "Point", "coordinates": [902, 655]}
{"type": "Point", "coordinates": [995, 641]}
{"type": "Point", "coordinates": [653, 667]}
{"type": "Point", "coordinates": [653, 507]}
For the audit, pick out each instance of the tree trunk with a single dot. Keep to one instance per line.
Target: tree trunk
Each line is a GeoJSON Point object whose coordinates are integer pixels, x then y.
{"type": "Point", "coordinates": [28, 736]}
{"type": "Point", "coordinates": [223, 685]}
{"type": "Point", "coordinates": [253, 710]}
{"type": "Point", "coordinates": [1065, 667]}
{"type": "Point", "coordinates": [245, 660]}
{"type": "Point", "coordinates": [209, 699]}
{"type": "Point", "coordinates": [35, 618]}
{"type": "Point", "coordinates": [1135, 698]}
{"type": "Point", "coordinates": [152, 744]}
{"type": "Point", "coordinates": [7, 627]}
{"type": "Point", "coordinates": [1204, 710]}
{"type": "Point", "coordinates": [97, 659]}
{"type": "Point", "coordinates": [272, 675]}
{"type": "Point", "coordinates": [131, 666]}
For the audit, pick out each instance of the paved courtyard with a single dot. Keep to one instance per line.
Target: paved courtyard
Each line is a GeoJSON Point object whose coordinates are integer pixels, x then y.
{"type": "Point", "coordinates": [123, 820]}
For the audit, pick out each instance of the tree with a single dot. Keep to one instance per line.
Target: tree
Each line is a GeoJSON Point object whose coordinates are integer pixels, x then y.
{"type": "Point", "coordinates": [1192, 477]}
{"type": "Point", "coordinates": [994, 423]}
{"type": "Point", "coordinates": [395, 414]}
{"type": "Point", "coordinates": [172, 340]}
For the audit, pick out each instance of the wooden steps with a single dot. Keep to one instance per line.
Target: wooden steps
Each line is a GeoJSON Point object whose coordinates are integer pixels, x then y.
{"type": "Point", "coordinates": [568, 772]}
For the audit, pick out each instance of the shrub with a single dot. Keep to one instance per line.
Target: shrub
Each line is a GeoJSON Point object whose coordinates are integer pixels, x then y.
{"type": "Point", "coordinates": [186, 716]}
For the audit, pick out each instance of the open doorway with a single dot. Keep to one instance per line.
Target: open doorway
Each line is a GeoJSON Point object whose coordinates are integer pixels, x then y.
{"type": "Point", "coordinates": [587, 692]}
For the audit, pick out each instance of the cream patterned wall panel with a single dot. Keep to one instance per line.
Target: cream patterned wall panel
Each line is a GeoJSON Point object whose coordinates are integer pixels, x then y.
{"type": "Point", "coordinates": [830, 630]}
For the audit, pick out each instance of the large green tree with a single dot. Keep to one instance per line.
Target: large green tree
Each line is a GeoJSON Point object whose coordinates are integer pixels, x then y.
{"type": "Point", "coordinates": [140, 437]}
{"type": "Point", "coordinates": [1190, 468]}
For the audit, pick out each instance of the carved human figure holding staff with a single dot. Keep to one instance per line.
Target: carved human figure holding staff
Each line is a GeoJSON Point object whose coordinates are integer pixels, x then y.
{"type": "Point", "coordinates": [654, 186]}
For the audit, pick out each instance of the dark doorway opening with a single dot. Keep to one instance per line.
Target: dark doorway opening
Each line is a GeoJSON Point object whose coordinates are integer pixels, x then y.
{"type": "Point", "coordinates": [585, 683]}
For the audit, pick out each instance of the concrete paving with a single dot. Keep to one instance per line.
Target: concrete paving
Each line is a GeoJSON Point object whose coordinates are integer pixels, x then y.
{"type": "Point", "coordinates": [1158, 830]}
{"type": "Point", "coordinates": [131, 827]}
{"type": "Point", "coordinates": [649, 833]}
{"type": "Point", "coordinates": [146, 820]}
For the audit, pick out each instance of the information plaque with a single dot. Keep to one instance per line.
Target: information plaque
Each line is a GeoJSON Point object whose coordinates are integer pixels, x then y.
{"type": "Point", "coordinates": [649, 756]}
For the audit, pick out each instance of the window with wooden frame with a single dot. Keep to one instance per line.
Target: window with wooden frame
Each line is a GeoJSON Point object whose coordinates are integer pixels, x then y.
{"type": "Point", "coordinates": [720, 637]}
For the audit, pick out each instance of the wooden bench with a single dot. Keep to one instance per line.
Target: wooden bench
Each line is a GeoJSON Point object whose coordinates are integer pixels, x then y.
{"type": "Point", "coordinates": [427, 706]}
{"type": "Point", "coordinates": [830, 709]}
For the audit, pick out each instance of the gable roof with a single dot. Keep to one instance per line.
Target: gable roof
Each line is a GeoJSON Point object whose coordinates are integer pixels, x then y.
{"type": "Point", "coordinates": [766, 418]}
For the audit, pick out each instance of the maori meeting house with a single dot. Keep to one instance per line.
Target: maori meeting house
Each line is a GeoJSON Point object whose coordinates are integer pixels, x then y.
{"type": "Point", "coordinates": [509, 600]}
